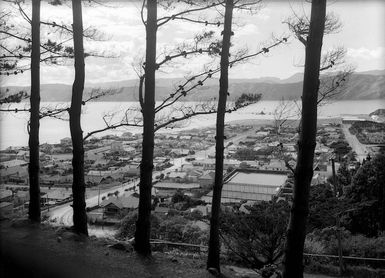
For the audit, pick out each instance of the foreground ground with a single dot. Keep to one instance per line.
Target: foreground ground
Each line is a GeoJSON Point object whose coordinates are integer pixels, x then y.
{"type": "Point", "coordinates": [41, 251]}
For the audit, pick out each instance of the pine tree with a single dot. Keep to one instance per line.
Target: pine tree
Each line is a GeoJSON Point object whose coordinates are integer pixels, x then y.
{"type": "Point", "coordinates": [143, 225]}
{"type": "Point", "coordinates": [214, 244]}
{"type": "Point", "coordinates": [293, 262]}
{"type": "Point", "coordinates": [78, 185]}
{"type": "Point", "coordinates": [33, 143]}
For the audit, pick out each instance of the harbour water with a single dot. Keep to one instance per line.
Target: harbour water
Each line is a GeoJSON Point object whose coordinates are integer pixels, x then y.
{"type": "Point", "coordinates": [14, 131]}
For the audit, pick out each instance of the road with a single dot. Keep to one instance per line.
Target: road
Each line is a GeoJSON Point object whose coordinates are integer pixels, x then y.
{"type": "Point", "coordinates": [356, 145]}
{"type": "Point", "coordinates": [62, 215]}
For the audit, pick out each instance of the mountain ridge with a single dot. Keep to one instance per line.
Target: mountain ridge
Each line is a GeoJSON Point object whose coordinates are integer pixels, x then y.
{"type": "Point", "coordinates": [361, 86]}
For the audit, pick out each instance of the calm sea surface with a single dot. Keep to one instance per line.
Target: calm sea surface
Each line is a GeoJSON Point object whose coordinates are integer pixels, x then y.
{"type": "Point", "coordinates": [14, 132]}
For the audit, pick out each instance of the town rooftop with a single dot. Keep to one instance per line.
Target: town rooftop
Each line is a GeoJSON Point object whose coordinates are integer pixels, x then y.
{"type": "Point", "coordinates": [258, 178]}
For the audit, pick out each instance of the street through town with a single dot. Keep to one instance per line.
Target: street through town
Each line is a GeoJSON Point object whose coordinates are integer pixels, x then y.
{"type": "Point", "coordinates": [356, 145]}
{"type": "Point", "coordinates": [62, 215]}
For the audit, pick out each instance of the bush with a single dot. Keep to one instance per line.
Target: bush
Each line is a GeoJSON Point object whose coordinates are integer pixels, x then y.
{"type": "Point", "coordinates": [179, 229]}
{"type": "Point", "coordinates": [325, 241]}
{"type": "Point", "coordinates": [256, 238]}
{"type": "Point", "coordinates": [365, 272]}
{"type": "Point", "coordinates": [195, 215]}
{"type": "Point", "coordinates": [128, 225]}
{"type": "Point", "coordinates": [322, 268]}
{"type": "Point", "coordinates": [361, 246]}
{"type": "Point", "coordinates": [313, 246]}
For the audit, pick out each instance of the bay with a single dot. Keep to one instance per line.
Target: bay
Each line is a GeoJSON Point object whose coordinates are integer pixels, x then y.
{"type": "Point", "coordinates": [14, 131]}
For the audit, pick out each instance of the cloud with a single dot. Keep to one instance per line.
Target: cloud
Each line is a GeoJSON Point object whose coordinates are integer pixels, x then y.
{"type": "Point", "coordinates": [264, 14]}
{"type": "Point", "coordinates": [249, 29]}
{"type": "Point", "coordinates": [366, 53]}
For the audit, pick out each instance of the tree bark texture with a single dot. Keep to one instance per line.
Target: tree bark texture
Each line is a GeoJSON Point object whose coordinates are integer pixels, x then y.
{"type": "Point", "coordinates": [143, 225]}
{"type": "Point", "coordinates": [214, 244]}
{"type": "Point", "coordinates": [293, 261]}
{"type": "Point", "coordinates": [78, 185]}
{"type": "Point", "coordinates": [33, 143]}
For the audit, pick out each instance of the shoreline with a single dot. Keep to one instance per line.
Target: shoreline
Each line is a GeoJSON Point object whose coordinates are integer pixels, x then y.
{"type": "Point", "coordinates": [250, 121]}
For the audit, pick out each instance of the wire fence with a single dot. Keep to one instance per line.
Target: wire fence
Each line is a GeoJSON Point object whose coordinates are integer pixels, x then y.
{"type": "Point", "coordinates": [202, 248]}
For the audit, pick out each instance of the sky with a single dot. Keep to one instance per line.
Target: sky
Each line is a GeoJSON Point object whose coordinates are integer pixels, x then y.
{"type": "Point", "coordinates": [361, 34]}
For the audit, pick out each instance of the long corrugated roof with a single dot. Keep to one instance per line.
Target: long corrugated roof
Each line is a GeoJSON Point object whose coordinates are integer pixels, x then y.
{"type": "Point", "coordinates": [258, 179]}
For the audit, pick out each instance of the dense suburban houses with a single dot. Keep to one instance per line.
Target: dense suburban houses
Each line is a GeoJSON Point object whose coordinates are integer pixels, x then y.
{"type": "Point", "coordinates": [256, 167]}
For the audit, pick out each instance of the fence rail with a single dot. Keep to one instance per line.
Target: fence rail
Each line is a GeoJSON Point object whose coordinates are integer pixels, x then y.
{"type": "Point", "coordinates": [158, 241]}
{"type": "Point", "coordinates": [344, 257]}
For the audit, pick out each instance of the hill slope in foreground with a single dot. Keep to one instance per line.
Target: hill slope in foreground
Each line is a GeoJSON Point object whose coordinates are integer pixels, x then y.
{"type": "Point", "coordinates": [40, 251]}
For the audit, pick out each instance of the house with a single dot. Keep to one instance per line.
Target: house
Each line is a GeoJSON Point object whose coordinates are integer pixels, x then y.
{"type": "Point", "coordinates": [61, 157]}
{"type": "Point", "coordinates": [17, 174]}
{"type": "Point", "coordinates": [205, 210]}
{"type": "Point", "coordinates": [177, 176]}
{"type": "Point", "coordinates": [116, 205]}
{"type": "Point", "coordinates": [185, 137]}
{"type": "Point", "coordinates": [129, 149]}
{"type": "Point", "coordinates": [96, 154]}
{"type": "Point", "coordinates": [245, 207]}
{"type": "Point", "coordinates": [187, 167]}
{"type": "Point", "coordinates": [250, 185]}
{"type": "Point", "coordinates": [262, 134]}
{"type": "Point", "coordinates": [57, 196]}
{"type": "Point", "coordinates": [232, 149]}
{"type": "Point", "coordinates": [131, 170]}
{"type": "Point", "coordinates": [274, 144]}
{"type": "Point", "coordinates": [193, 175]}
{"type": "Point", "coordinates": [209, 164]}
{"type": "Point", "coordinates": [126, 135]}
{"type": "Point", "coordinates": [66, 141]}
{"type": "Point", "coordinates": [117, 146]}
{"type": "Point", "coordinates": [13, 163]}
{"type": "Point", "coordinates": [55, 179]}
{"type": "Point", "coordinates": [22, 155]}
{"type": "Point", "coordinates": [276, 164]}
{"type": "Point", "coordinates": [13, 170]}
{"type": "Point", "coordinates": [322, 172]}
{"type": "Point", "coordinates": [172, 136]}
{"type": "Point", "coordinates": [21, 197]}
{"type": "Point", "coordinates": [179, 152]}
{"type": "Point", "coordinates": [167, 189]}
{"type": "Point", "coordinates": [92, 180]}
{"type": "Point", "coordinates": [249, 164]}
{"type": "Point", "coordinates": [162, 208]}
{"type": "Point", "coordinates": [207, 179]}
{"type": "Point", "coordinates": [6, 195]}
{"type": "Point", "coordinates": [291, 148]}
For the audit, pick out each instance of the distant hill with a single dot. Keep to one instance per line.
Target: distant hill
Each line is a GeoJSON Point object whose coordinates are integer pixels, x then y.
{"type": "Point", "coordinates": [361, 86]}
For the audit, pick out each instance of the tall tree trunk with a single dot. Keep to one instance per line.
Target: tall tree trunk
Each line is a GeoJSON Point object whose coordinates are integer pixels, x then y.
{"type": "Point", "coordinates": [78, 186]}
{"type": "Point", "coordinates": [293, 262]}
{"type": "Point", "coordinates": [214, 244]}
{"type": "Point", "coordinates": [143, 225]}
{"type": "Point", "coordinates": [33, 143]}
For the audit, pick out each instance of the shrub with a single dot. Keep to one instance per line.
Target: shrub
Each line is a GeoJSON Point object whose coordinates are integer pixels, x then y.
{"type": "Point", "coordinates": [313, 246]}
{"type": "Point", "coordinates": [128, 225]}
{"type": "Point", "coordinates": [256, 238]}
{"type": "Point", "coordinates": [322, 268]}
{"type": "Point", "coordinates": [325, 242]}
